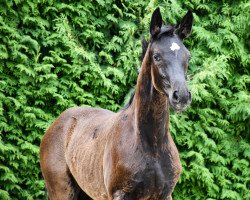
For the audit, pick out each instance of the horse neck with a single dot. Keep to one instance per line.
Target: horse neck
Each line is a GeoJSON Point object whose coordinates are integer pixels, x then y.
{"type": "Point", "coordinates": [150, 109]}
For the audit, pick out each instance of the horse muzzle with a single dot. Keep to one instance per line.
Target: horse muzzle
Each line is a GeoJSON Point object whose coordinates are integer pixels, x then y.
{"type": "Point", "coordinates": [180, 99]}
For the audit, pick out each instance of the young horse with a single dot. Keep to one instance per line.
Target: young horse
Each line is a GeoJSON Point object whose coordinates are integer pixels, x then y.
{"type": "Point", "coordinates": [91, 153]}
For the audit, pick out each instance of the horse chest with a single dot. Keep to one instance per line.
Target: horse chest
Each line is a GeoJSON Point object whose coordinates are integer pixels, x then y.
{"type": "Point", "coordinates": [150, 178]}
{"type": "Point", "coordinates": [154, 179]}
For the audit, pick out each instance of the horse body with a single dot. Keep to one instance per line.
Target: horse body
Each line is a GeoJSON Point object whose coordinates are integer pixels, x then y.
{"type": "Point", "coordinates": [129, 155]}
{"type": "Point", "coordinates": [121, 164]}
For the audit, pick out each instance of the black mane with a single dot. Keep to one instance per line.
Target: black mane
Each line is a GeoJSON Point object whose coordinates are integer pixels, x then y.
{"type": "Point", "coordinates": [130, 101]}
{"type": "Point", "coordinates": [144, 44]}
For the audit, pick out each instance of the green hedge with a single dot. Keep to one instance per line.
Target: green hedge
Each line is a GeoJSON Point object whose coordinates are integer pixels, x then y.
{"type": "Point", "coordinates": [59, 54]}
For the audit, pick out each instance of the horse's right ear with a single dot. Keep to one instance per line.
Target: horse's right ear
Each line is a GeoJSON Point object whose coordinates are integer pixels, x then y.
{"type": "Point", "coordinates": [156, 22]}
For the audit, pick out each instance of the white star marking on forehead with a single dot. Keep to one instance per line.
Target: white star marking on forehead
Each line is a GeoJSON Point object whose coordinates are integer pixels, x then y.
{"type": "Point", "coordinates": [174, 46]}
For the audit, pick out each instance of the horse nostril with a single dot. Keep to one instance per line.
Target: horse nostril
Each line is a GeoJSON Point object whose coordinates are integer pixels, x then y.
{"type": "Point", "coordinates": [176, 96]}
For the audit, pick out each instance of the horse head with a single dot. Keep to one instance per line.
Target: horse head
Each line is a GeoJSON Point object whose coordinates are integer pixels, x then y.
{"type": "Point", "coordinates": [169, 59]}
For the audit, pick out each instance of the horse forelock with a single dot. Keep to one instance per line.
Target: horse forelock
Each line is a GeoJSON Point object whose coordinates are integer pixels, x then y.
{"type": "Point", "coordinates": [165, 30]}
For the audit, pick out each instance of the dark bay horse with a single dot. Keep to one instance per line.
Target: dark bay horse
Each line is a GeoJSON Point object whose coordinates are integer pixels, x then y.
{"type": "Point", "coordinates": [90, 153]}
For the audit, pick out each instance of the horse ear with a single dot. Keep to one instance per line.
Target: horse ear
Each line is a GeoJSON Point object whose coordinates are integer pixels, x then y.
{"type": "Point", "coordinates": [156, 22]}
{"type": "Point", "coordinates": [184, 28]}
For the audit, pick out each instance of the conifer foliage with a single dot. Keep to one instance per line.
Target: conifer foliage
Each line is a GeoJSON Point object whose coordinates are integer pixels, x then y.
{"type": "Point", "coordinates": [59, 54]}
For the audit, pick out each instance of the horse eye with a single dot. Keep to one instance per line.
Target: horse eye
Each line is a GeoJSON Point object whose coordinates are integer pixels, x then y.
{"type": "Point", "coordinates": [157, 57]}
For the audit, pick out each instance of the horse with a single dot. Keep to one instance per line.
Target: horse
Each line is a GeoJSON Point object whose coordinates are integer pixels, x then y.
{"type": "Point", "coordinates": [93, 153]}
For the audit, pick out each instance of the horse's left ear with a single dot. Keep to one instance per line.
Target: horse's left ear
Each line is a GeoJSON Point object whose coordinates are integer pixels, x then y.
{"type": "Point", "coordinates": [184, 28]}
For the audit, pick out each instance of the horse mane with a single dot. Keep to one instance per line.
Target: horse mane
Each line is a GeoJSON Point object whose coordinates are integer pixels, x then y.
{"type": "Point", "coordinates": [145, 44]}
{"type": "Point", "coordinates": [130, 101]}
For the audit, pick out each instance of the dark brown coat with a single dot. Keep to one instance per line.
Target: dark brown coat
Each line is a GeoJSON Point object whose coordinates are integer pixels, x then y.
{"type": "Point", "coordinates": [91, 153]}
